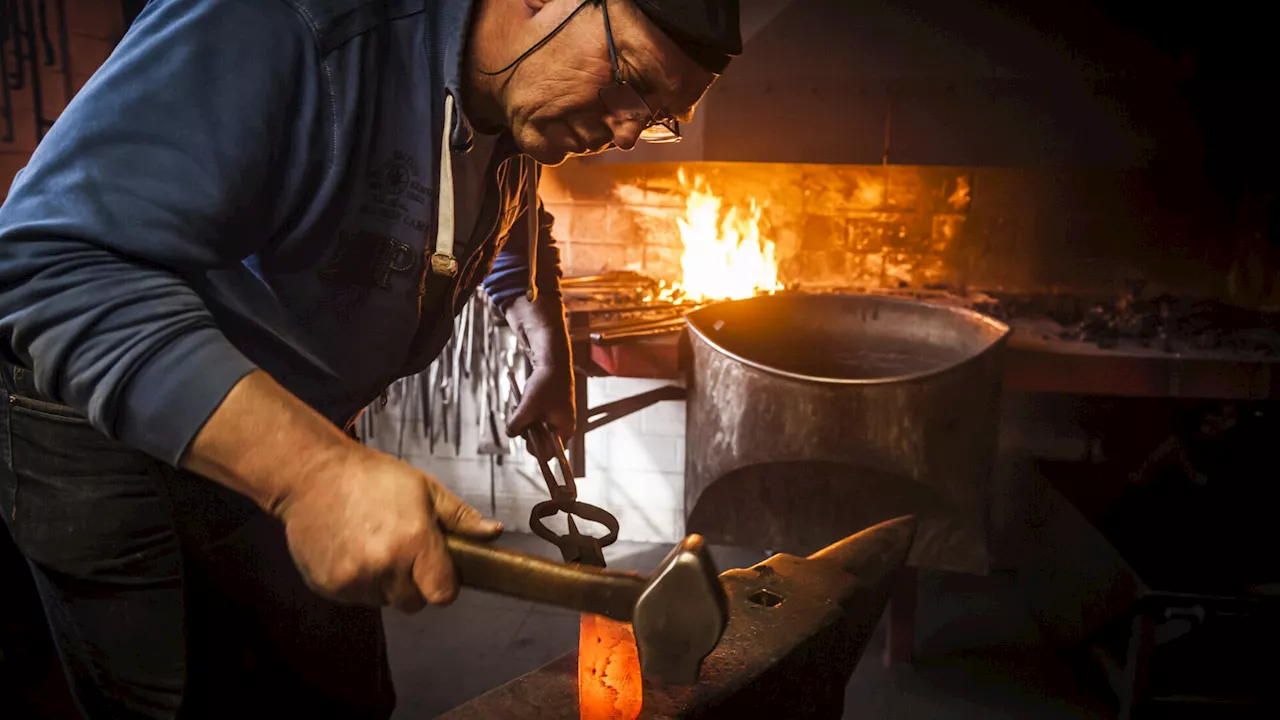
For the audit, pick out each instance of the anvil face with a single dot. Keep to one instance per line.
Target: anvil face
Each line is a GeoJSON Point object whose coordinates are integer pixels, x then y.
{"type": "Point", "coordinates": [797, 628]}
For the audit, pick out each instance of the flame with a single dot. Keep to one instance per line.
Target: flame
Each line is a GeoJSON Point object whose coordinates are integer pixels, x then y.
{"type": "Point", "coordinates": [609, 684]}
{"type": "Point", "coordinates": [725, 257]}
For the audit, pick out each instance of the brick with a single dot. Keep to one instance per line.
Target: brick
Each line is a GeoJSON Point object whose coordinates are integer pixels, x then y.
{"type": "Point", "coordinates": [88, 52]}
{"type": "Point", "coordinates": [624, 225]}
{"type": "Point", "coordinates": [552, 189]}
{"type": "Point", "coordinates": [864, 235]}
{"type": "Point", "coordinates": [595, 487]}
{"type": "Point", "coordinates": [665, 419]}
{"type": "Point", "coordinates": [460, 475]}
{"type": "Point", "coordinates": [586, 258]}
{"type": "Point", "coordinates": [632, 451]}
{"type": "Point", "coordinates": [649, 525]}
{"type": "Point", "coordinates": [644, 489]}
{"type": "Point", "coordinates": [518, 479]}
{"type": "Point", "coordinates": [481, 502]}
{"type": "Point", "coordinates": [900, 267]}
{"type": "Point", "coordinates": [599, 455]}
{"type": "Point", "coordinates": [562, 230]}
{"type": "Point", "coordinates": [513, 513]}
{"type": "Point", "coordinates": [663, 262]}
{"type": "Point", "coordinates": [78, 81]}
{"type": "Point", "coordinates": [103, 19]}
{"type": "Point", "coordinates": [946, 228]}
{"type": "Point", "coordinates": [591, 223]}
{"type": "Point", "coordinates": [822, 232]}
{"type": "Point", "coordinates": [615, 388]}
{"type": "Point", "coordinates": [621, 448]}
{"type": "Point", "coordinates": [10, 164]}
{"type": "Point", "coordinates": [51, 89]}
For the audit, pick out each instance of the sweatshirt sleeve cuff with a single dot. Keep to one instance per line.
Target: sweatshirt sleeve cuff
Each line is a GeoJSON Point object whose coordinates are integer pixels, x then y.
{"type": "Point", "coordinates": [168, 401]}
{"type": "Point", "coordinates": [508, 279]}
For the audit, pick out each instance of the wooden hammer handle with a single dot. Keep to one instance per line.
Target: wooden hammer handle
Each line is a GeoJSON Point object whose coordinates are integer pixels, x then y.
{"type": "Point", "coordinates": [529, 577]}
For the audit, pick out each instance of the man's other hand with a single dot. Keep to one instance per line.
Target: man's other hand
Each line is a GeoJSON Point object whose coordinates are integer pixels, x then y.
{"type": "Point", "coordinates": [548, 397]}
{"type": "Point", "coordinates": [362, 526]}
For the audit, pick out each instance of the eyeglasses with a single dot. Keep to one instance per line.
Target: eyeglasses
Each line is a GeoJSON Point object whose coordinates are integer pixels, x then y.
{"type": "Point", "coordinates": [622, 99]}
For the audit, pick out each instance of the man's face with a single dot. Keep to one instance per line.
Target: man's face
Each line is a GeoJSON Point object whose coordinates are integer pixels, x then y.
{"type": "Point", "coordinates": [552, 102]}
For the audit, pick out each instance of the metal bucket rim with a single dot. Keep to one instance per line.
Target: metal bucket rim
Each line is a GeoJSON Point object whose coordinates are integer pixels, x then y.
{"type": "Point", "coordinates": [1002, 329]}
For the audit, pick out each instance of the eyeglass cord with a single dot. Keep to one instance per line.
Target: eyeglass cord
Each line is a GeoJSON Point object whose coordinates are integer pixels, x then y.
{"type": "Point", "coordinates": [541, 42]}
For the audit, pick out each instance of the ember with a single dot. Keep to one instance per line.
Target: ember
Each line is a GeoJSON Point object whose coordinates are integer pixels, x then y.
{"type": "Point", "coordinates": [609, 684]}
{"type": "Point", "coordinates": [1162, 322]}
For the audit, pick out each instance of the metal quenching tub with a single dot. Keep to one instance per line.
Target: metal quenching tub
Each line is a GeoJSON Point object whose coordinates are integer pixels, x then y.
{"type": "Point", "coordinates": [813, 416]}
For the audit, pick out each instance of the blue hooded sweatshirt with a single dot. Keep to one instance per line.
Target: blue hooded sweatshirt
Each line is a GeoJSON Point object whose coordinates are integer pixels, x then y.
{"type": "Point", "coordinates": [254, 184]}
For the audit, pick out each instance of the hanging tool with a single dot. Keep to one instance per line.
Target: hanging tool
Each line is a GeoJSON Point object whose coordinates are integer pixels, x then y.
{"type": "Point", "coordinates": [433, 415]}
{"type": "Point", "coordinates": [455, 375]}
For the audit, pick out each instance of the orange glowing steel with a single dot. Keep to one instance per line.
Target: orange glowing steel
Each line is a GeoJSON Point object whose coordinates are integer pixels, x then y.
{"type": "Point", "coordinates": [725, 256]}
{"type": "Point", "coordinates": [609, 685]}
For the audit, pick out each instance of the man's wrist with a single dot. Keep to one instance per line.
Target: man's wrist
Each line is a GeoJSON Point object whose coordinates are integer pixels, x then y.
{"type": "Point", "coordinates": [542, 329]}
{"type": "Point", "coordinates": [263, 442]}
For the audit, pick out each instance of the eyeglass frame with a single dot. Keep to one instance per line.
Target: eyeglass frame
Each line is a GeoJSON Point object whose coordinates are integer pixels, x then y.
{"type": "Point", "coordinates": [655, 125]}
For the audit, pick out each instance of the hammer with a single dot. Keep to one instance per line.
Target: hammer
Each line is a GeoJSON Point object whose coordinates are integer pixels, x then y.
{"type": "Point", "coordinates": [678, 613]}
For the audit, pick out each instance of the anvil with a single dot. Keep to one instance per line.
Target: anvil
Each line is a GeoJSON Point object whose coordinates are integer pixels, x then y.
{"type": "Point", "coordinates": [797, 628]}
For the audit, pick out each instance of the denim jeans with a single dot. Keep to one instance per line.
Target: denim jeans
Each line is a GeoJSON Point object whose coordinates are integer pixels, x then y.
{"type": "Point", "coordinates": [168, 595]}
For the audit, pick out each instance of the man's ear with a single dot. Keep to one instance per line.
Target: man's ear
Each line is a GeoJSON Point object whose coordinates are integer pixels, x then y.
{"type": "Point", "coordinates": [537, 5]}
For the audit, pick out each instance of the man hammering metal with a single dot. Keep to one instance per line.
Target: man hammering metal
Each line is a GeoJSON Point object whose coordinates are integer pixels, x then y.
{"type": "Point", "coordinates": [255, 217]}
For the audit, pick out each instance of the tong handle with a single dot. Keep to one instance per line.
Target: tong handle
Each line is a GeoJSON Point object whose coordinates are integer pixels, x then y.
{"type": "Point", "coordinates": [546, 443]}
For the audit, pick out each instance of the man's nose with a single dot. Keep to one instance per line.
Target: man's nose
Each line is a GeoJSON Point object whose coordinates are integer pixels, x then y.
{"type": "Point", "coordinates": [626, 131]}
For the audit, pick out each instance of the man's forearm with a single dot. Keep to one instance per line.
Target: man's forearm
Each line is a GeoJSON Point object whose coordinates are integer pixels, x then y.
{"type": "Point", "coordinates": [548, 394]}
{"type": "Point", "coordinates": [541, 328]}
{"type": "Point", "coordinates": [361, 526]}
{"type": "Point", "coordinates": [262, 441]}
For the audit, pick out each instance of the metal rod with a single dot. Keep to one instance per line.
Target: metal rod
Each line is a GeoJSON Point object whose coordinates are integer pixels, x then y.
{"type": "Point", "coordinates": [37, 88]}
{"type": "Point", "coordinates": [455, 392]}
{"type": "Point", "coordinates": [628, 324]}
{"type": "Point", "coordinates": [64, 52]}
{"type": "Point", "coordinates": [6, 97]}
{"type": "Point", "coordinates": [619, 409]}
{"type": "Point", "coordinates": [635, 307]}
{"type": "Point", "coordinates": [607, 278]}
{"type": "Point", "coordinates": [617, 338]}
{"type": "Point", "coordinates": [42, 12]}
{"type": "Point", "coordinates": [19, 77]}
{"type": "Point", "coordinates": [639, 324]}
{"type": "Point", "coordinates": [581, 357]}
{"type": "Point", "coordinates": [493, 487]}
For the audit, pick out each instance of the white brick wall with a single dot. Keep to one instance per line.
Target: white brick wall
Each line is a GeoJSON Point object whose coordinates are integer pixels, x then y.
{"type": "Point", "coordinates": [635, 465]}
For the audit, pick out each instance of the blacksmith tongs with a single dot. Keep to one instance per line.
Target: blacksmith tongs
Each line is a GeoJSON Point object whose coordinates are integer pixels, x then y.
{"type": "Point", "coordinates": [558, 475]}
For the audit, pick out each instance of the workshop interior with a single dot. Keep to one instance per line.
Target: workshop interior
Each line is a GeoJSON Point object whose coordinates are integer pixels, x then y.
{"type": "Point", "coordinates": [929, 376]}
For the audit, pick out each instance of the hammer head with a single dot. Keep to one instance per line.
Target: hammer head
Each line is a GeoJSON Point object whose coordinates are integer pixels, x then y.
{"type": "Point", "coordinates": [680, 615]}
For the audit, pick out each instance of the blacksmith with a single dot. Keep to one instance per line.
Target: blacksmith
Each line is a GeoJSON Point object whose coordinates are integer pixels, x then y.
{"type": "Point", "coordinates": [253, 218]}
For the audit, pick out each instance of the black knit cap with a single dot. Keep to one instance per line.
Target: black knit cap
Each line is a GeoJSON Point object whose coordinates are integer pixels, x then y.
{"type": "Point", "coordinates": [707, 30]}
